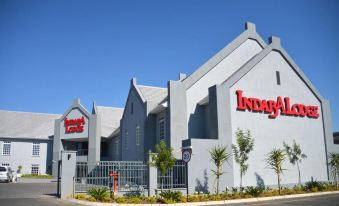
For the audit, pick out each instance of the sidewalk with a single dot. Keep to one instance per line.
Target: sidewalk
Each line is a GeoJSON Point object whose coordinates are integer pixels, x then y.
{"type": "Point", "coordinates": [34, 180]}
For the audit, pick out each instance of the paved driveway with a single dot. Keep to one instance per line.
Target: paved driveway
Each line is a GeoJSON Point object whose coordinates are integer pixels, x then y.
{"type": "Point", "coordinates": [33, 192]}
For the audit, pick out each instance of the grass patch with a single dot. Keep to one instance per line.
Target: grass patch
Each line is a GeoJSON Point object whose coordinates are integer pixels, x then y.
{"type": "Point", "coordinates": [36, 176]}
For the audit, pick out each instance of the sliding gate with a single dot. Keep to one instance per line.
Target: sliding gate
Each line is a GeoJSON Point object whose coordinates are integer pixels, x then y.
{"type": "Point", "coordinates": [132, 175]}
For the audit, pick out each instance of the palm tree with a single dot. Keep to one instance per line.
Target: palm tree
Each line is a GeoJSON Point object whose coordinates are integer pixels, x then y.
{"type": "Point", "coordinates": [219, 156]}
{"type": "Point", "coordinates": [334, 164]}
{"type": "Point", "coordinates": [295, 156]}
{"type": "Point", "coordinates": [241, 151]}
{"type": "Point", "coordinates": [274, 161]}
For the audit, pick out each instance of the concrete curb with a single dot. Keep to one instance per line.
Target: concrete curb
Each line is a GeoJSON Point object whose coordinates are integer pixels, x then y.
{"type": "Point", "coordinates": [222, 202]}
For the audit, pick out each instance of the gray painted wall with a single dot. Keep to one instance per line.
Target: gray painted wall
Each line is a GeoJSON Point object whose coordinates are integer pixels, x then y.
{"type": "Point", "coordinates": [129, 123]}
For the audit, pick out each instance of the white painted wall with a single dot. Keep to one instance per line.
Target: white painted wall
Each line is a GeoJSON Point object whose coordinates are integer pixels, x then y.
{"type": "Point", "coordinates": [220, 73]}
{"type": "Point", "coordinates": [268, 133]}
{"type": "Point", "coordinates": [21, 154]}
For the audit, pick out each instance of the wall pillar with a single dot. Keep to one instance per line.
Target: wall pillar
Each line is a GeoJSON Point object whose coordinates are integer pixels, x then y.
{"type": "Point", "coordinates": [68, 164]}
{"type": "Point", "coordinates": [152, 177]}
{"type": "Point", "coordinates": [57, 147]}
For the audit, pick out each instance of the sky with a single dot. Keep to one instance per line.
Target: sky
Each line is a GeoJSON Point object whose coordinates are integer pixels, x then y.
{"type": "Point", "coordinates": [52, 52]}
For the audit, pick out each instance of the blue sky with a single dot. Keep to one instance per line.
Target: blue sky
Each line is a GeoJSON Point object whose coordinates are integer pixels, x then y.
{"type": "Point", "coordinates": [54, 51]}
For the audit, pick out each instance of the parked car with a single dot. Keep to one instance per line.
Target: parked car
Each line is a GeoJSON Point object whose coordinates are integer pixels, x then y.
{"type": "Point", "coordinates": [7, 174]}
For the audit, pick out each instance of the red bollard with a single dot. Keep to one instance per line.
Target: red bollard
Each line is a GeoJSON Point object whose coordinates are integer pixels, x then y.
{"type": "Point", "coordinates": [115, 178]}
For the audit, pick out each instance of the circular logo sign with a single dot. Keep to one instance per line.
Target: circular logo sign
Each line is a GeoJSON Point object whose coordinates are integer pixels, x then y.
{"type": "Point", "coordinates": [186, 155]}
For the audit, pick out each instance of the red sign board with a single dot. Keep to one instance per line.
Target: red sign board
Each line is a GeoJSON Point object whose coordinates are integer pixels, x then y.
{"type": "Point", "coordinates": [281, 106]}
{"type": "Point", "coordinates": [74, 125]}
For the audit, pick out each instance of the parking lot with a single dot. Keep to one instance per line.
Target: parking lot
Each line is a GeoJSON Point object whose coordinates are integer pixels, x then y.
{"type": "Point", "coordinates": [30, 192]}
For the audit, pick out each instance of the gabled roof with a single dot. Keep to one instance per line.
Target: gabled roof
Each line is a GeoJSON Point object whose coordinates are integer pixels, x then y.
{"type": "Point", "coordinates": [273, 46]}
{"type": "Point", "coordinates": [154, 94]}
{"type": "Point", "coordinates": [27, 125]}
{"type": "Point", "coordinates": [110, 119]}
{"type": "Point", "coordinates": [249, 33]}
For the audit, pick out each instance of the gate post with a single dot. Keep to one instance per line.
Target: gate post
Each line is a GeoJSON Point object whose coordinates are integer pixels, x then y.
{"type": "Point", "coordinates": [152, 177]}
{"type": "Point", "coordinates": [68, 160]}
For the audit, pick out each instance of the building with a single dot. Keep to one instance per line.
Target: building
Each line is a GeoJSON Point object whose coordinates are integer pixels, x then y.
{"type": "Point", "coordinates": [249, 85]}
{"type": "Point", "coordinates": [26, 139]}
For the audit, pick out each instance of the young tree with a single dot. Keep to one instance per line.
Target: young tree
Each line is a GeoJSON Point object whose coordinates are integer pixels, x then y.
{"type": "Point", "coordinates": [295, 156]}
{"type": "Point", "coordinates": [274, 161]}
{"type": "Point", "coordinates": [219, 156]}
{"type": "Point", "coordinates": [241, 151]}
{"type": "Point", "coordinates": [334, 164]}
{"type": "Point", "coordinates": [163, 160]}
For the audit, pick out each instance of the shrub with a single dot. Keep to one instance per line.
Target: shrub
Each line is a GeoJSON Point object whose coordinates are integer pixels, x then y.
{"type": "Point", "coordinates": [80, 196]}
{"type": "Point", "coordinates": [98, 193]}
{"type": "Point", "coordinates": [253, 191]}
{"type": "Point", "coordinates": [171, 195]}
{"type": "Point", "coordinates": [151, 200]}
{"type": "Point", "coordinates": [91, 199]}
{"type": "Point", "coordinates": [214, 197]}
{"type": "Point", "coordinates": [106, 199]}
{"type": "Point", "coordinates": [121, 200]}
{"type": "Point", "coordinates": [193, 198]}
{"type": "Point", "coordinates": [314, 185]}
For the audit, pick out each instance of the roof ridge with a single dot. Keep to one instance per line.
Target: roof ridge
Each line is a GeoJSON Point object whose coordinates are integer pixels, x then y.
{"type": "Point", "coordinates": [151, 86]}
{"type": "Point", "coordinates": [29, 112]}
{"type": "Point", "coordinates": [111, 107]}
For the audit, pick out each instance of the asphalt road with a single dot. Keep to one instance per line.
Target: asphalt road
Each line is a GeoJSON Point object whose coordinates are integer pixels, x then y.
{"type": "Point", "coordinates": [324, 200]}
{"type": "Point", "coordinates": [43, 193]}
{"type": "Point", "coordinates": [30, 194]}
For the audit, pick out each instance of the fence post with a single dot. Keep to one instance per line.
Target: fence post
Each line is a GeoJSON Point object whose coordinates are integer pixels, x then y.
{"type": "Point", "coordinates": [152, 177]}
{"type": "Point", "coordinates": [68, 165]}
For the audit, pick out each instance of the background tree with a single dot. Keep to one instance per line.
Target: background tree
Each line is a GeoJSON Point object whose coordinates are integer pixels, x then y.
{"type": "Point", "coordinates": [163, 160]}
{"type": "Point", "coordinates": [274, 161]}
{"type": "Point", "coordinates": [334, 164]}
{"type": "Point", "coordinates": [295, 156]}
{"type": "Point", "coordinates": [219, 156]}
{"type": "Point", "coordinates": [241, 151]}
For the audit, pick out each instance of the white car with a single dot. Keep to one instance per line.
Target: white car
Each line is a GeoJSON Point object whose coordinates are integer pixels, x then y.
{"type": "Point", "coordinates": [7, 174]}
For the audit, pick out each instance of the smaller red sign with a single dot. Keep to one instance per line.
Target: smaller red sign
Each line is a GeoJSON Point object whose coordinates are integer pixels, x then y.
{"type": "Point", "coordinates": [74, 125]}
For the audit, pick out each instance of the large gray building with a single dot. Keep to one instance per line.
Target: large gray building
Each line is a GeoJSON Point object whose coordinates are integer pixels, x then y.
{"type": "Point", "coordinates": [249, 85]}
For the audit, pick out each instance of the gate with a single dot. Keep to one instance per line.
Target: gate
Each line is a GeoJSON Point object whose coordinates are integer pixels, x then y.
{"type": "Point", "coordinates": [175, 178]}
{"type": "Point", "coordinates": [133, 175]}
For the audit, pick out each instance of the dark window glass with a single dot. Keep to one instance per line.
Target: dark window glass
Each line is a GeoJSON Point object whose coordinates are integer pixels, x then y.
{"type": "Point", "coordinates": [2, 169]}
{"type": "Point", "coordinates": [278, 77]}
{"type": "Point", "coordinates": [132, 108]}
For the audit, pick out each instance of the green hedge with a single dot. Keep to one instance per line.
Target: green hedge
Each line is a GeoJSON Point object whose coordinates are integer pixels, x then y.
{"type": "Point", "coordinates": [37, 176]}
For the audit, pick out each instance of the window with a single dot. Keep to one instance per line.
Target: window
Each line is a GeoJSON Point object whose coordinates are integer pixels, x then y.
{"type": "Point", "coordinates": [117, 147]}
{"type": "Point", "coordinates": [36, 149]}
{"type": "Point", "coordinates": [132, 108]}
{"type": "Point", "coordinates": [35, 169]}
{"type": "Point", "coordinates": [126, 140]}
{"type": "Point", "coordinates": [6, 148]}
{"type": "Point", "coordinates": [278, 77]}
{"type": "Point", "coordinates": [161, 128]}
{"type": "Point", "coordinates": [5, 164]}
{"type": "Point", "coordinates": [137, 135]}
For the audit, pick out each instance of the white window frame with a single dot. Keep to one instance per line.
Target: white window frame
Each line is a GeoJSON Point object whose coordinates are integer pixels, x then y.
{"type": "Point", "coordinates": [4, 151]}
{"type": "Point", "coordinates": [36, 149]}
{"type": "Point", "coordinates": [162, 134]}
{"type": "Point", "coordinates": [126, 140]}
{"type": "Point", "coordinates": [137, 135]}
{"type": "Point", "coordinates": [36, 171]}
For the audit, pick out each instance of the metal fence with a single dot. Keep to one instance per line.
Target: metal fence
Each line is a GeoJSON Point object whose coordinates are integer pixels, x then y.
{"type": "Point", "coordinates": [174, 178]}
{"type": "Point", "coordinates": [133, 175]}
